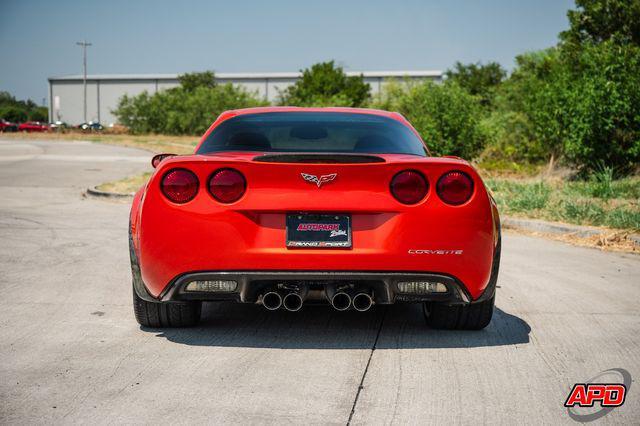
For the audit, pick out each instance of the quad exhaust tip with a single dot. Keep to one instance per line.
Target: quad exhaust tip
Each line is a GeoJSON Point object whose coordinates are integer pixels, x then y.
{"type": "Point", "coordinates": [362, 302]}
{"type": "Point", "coordinates": [272, 300]}
{"type": "Point", "coordinates": [341, 301]}
{"type": "Point", "coordinates": [292, 302]}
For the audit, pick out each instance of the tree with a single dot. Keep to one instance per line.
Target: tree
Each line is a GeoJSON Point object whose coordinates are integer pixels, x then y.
{"type": "Point", "coordinates": [445, 115]}
{"type": "Point", "coordinates": [187, 109]}
{"type": "Point", "coordinates": [325, 84]}
{"type": "Point", "coordinates": [19, 111]}
{"type": "Point", "coordinates": [478, 79]}
{"type": "Point", "coordinates": [190, 81]}
{"type": "Point", "coordinates": [597, 21]}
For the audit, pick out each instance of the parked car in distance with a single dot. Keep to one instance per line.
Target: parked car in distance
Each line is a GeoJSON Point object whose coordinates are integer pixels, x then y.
{"type": "Point", "coordinates": [92, 126]}
{"type": "Point", "coordinates": [33, 126]}
{"type": "Point", "coordinates": [7, 126]}
{"type": "Point", "coordinates": [59, 125]}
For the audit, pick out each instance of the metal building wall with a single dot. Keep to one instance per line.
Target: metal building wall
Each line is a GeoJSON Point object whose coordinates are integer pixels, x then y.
{"type": "Point", "coordinates": [104, 92]}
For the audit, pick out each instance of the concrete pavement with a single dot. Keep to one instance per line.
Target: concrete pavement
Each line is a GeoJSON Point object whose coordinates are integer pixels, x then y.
{"type": "Point", "coordinates": [72, 352]}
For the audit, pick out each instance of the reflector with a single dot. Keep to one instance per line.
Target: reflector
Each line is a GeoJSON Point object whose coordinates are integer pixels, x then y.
{"type": "Point", "coordinates": [213, 286]}
{"type": "Point", "coordinates": [421, 287]}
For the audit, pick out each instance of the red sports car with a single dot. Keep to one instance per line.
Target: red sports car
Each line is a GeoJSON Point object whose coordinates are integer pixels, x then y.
{"type": "Point", "coordinates": [33, 126]}
{"type": "Point", "coordinates": [284, 206]}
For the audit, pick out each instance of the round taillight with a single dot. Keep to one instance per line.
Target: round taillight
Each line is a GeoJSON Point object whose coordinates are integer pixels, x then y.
{"type": "Point", "coordinates": [409, 187]}
{"type": "Point", "coordinates": [227, 185]}
{"type": "Point", "coordinates": [179, 185]}
{"type": "Point", "coordinates": [455, 187]}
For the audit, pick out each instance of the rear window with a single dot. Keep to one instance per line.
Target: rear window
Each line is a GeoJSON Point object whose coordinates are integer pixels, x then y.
{"type": "Point", "coordinates": [313, 132]}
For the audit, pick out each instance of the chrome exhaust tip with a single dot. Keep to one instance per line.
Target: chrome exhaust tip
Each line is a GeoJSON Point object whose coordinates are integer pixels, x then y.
{"type": "Point", "coordinates": [362, 302]}
{"type": "Point", "coordinates": [341, 301]}
{"type": "Point", "coordinates": [292, 302]}
{"type": "Point", "coordinates": [272, 301]}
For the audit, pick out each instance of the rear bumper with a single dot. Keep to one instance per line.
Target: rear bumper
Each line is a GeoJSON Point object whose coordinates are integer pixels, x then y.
{"type": "Point", "coordinates": [251, 284]}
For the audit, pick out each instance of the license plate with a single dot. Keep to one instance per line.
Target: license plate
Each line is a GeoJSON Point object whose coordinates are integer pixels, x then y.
{"type": "Point", "coordinates": [318, 230]}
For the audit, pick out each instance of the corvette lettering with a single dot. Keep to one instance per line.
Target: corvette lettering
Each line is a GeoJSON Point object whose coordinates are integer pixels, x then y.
{"type": "Point", "coordinates": [437, 252]}
{"type": "Point", "coordinates": [318, 180]}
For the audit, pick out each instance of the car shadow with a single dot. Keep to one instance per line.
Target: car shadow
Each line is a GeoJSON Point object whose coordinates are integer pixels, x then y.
{"type": "Point", "coordinates": [321, 327]}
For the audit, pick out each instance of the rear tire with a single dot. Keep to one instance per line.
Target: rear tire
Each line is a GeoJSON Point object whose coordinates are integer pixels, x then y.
{"type": "Point", "coordinates": [475, 316]}
{"type": "Point", "coordinates": [166, 314]}
{"type": "Point", "coordinates": [459, 317]}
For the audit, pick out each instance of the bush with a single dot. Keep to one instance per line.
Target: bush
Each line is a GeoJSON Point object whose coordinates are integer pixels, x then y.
{"type": "Point", "coordinates": [510, 136]}
{"type": "Point", "coordinates": [187, 110]}
{"type": "Point", "coordinates": [445, 115]}
{"type": "Point", "coordinates": [17, 111]}
{"type": "Point", "coordinates": [325, 84]}
{"type": "Point", "coordinates": [601, 109]}
{"type": "Point", "coordinates": [478, 79]}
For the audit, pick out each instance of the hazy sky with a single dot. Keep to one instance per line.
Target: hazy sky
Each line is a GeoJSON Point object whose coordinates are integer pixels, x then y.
{"type": "Point", "coordinates": [37, 38]}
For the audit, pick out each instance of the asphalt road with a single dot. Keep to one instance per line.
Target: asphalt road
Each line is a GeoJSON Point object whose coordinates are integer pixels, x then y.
{"type": "Point", "coordinates": [71, 351]}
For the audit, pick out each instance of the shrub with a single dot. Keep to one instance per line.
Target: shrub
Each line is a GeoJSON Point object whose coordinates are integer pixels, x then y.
{"type": "Point", "coordinates": [325, 84]}
{"type": "Point", "coordinates": [478, 79]}
{"type": "Point", "coordinates": [510, 136]}
{"type": "Point", "coordinates": [188, 109]}
{"type": "Point", "coordinates": [445, 115]}
{"type": "Point", "coordinates": [17, 111]}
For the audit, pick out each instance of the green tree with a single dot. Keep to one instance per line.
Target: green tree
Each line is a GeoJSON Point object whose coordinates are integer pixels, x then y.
{"type": "Point", "coordinates": [325, 84]}
{"type": "Point", "coordinates": [190, 81]}
{"type": "Point", "coordinates": [478, 79]}
{"type": "Point", "coordinates": [446, 115]}
{"type": "Point", "coordinates": [187, 109]}
{"type": "Point", "coordinates": [597, 21]}
{"type": "Point", "coordinates": [19, 111]}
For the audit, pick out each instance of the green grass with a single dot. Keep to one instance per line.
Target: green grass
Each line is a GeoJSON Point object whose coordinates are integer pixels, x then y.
{"type": "Point", "coordinates": [599, 201]}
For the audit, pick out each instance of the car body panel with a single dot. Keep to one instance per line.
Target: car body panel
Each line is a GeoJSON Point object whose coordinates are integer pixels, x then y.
{"type": "Point", "coordinates": [249, 235]}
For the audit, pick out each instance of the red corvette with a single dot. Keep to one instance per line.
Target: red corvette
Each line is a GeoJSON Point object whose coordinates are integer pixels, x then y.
{"type": "Point", "coordinates": [285, 206]}
{"type": "Point", "coordinates": [33, 126]}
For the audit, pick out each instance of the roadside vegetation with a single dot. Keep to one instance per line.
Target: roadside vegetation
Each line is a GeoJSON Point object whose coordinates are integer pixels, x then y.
{"type": "Point", "coordinates": [599, 201]}
{"type": "Point", "coordinates": [558, 136]}
{"type": "Point", "coordinates": [17, 111]}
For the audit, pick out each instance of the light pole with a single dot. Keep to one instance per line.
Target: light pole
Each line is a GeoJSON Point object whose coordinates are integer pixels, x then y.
{"type": "Point", "coordinates": [84, 45]}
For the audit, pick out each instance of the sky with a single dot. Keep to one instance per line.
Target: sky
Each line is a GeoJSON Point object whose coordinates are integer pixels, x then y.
{"type": "Point", "coordinates": [38, 38]}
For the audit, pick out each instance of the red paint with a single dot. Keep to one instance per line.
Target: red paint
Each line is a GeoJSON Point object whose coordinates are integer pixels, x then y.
{"type": "Point", "coordinates": [204, 234]}
{"type": "Point", "coordinates": [33, 126]}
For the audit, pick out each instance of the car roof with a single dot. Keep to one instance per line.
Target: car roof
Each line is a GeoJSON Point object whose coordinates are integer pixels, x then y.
{"type": "Point", "coordinates": [347, 110]}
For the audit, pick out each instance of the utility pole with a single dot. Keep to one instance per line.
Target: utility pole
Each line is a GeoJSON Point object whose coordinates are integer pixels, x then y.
{"type": "Point", "coordinates": [84, 45]}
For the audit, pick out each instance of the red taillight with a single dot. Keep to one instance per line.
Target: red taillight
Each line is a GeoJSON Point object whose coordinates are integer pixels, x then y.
{"type": "Point", "coordinates": [409, 187]}
{"type": "Point", "coordinates": [179, 185]}
{"type": "Point", "coordinates": [455, 187]}
{"type": "Point", "coordinates": [227, 185]}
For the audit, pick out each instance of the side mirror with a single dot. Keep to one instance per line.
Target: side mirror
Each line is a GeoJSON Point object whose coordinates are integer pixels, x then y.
{"type": "Point", "coordinates": [157, 159]}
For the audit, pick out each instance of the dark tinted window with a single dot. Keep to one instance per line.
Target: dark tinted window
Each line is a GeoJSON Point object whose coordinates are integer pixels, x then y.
{"type": "Point", "coordinates": [313, 132]}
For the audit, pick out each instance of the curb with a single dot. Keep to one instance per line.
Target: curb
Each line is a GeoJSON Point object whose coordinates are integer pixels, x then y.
{"type": "Point", "coordinates": [536, 225]}
{"type": "Point", "coordinates": [95, 192]}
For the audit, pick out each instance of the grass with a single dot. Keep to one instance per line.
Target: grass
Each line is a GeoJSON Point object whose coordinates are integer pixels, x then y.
{"type": "Point", "coordinates": [599, 201]}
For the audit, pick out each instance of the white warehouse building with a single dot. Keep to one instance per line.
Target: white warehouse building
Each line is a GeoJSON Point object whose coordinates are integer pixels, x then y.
{"type": "Point", "coordinates": [104, 90]}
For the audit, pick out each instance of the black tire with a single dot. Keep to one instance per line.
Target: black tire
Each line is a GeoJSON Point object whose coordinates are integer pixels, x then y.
{"type": "Point", "coordinates": [475, 316]}
{"type": "Point", "coordinates": [459, 317]}
{"type": "Point", "coordinates": [166, 314]}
